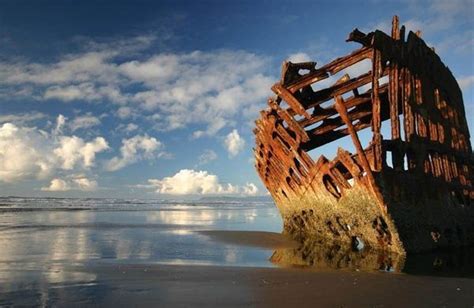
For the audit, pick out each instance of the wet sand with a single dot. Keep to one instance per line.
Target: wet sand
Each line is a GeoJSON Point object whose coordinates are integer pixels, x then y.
{"type": "Point", "coordinates": [210, 286]}
{"type": "Point", "coordinates": [252, 238]}
{"type": "Point", "coordinates": [186, 256]}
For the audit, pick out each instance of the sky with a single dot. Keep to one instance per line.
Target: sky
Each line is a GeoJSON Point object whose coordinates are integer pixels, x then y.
{"type": "Point", "coordinates": [158, 99]}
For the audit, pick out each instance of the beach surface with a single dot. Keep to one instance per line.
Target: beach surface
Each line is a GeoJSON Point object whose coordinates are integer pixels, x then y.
{"type": "Point", "coordinates": [211, 286]}
{"type": "Point", "coordinates": [110, 253]}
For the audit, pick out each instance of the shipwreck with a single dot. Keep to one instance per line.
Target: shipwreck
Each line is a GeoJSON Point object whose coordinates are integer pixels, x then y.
{"type": "Point", "coordinates": [409, 188]}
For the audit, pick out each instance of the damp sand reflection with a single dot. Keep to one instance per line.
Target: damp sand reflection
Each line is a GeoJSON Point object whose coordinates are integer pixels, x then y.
{"type": "Point", "coordinates": [52, 254]}
{"type": "Point", "coordinates": [43, 243]}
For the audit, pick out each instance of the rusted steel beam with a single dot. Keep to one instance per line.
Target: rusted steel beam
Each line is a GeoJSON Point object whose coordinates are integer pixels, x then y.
{"type": "Point", "coordinates": [344, 62]}
{"type": "Point", "coordinates": [346, 159]}
{"type": "Point", "coordinates": [294, 126]}
{"type": "Point", "coordinates": [324, 113]}
{"type": "Point", "coordinates": [332, 135]}
{"type": "Point", "coordinates": [290, 99]}
{"type": "Point", "coordinates": [334, 123]}
{"type": "Point", "coordinates": [360, 151]}
{"type": "Point", "coordinates": [330, 69]}
{"type": "Point", "coordinates": [308, 79]}
{"type": "Point", "coordinates": [394, 87]}
{"type": "Point", "coordinates": [321, 96]}
{"type": "Point", "coordinates": [324, 95]}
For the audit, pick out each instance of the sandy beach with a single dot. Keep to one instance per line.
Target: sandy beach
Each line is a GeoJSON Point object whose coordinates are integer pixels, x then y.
{"type": "Point", "coordinates": [109, 254]}
{"type": "Point", "coordinates": [130, 285]}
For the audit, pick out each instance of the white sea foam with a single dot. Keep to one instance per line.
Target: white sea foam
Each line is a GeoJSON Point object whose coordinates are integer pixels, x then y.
{"type": "Point", "coordinates": [115, 204]}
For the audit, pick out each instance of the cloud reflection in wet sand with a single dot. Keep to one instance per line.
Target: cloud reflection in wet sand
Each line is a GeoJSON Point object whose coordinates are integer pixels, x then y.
{"type": "Point", "coordinates": [44, 253]}
{"type": "Point", "coordinates": [41, 248]}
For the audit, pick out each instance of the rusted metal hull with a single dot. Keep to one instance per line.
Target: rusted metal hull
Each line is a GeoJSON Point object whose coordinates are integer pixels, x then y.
{"type": "Point", "coordinates": [409, 191]}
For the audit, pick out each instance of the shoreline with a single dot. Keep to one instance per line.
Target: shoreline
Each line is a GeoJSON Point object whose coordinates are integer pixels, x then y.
{"type": "Point", "coordinates": [215, 286]}
{"type": "Point", "coordinates": [197, 262]}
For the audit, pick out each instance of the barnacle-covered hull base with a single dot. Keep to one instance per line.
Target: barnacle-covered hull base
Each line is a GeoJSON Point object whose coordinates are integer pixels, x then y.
{"type": "Point", "coordinates": [409, 191]}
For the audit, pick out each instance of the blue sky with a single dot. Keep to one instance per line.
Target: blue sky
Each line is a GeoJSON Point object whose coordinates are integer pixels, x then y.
{"type": "Point", "coordinates": [141, 99]}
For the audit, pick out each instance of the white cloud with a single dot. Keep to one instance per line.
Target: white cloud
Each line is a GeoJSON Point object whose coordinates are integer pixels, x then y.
{"type": "Point", "coordinates": [57, 185]}
{"type": "Point", "coordinates": [191, 182]}
{"type": "Point", "coordinates": [68, 93]}
{"type": "Point", "coordinates": [73, 149]}
{"type": "Point", "coordinates": [60, 121]}
{"type": "Point", "coordinates": [431, 17]}
{"type": "Point", "coordinates": [28, 152]}
{"type": "Point", "coordinates": [90, 74]}
{"type": "Point", "coordinates": [206, 157]}
{"type": "Point", "coordinates": [22, 118]}
{"type": "Point", "coordinates": [133, 150]}
{"type": "Point", "coordinates": [72, 68]}
{"type": "Point", "coordinates": [299, 57]}
{"type": "Point", "coordinates": [87, 91]}
{"type": "Point", "coordinates": [127, 128]}
{"type": "Point", "coordinates": [124, 112]}
{"type": "Point", "coordinates": [461, 43]}
{"type": "Point", "coordinates": [158, 68]}
{"type": "Point", "coordinates": [234, 143]}
{"type": "Point", "coordinates": [131, 127]}
{"type": "Point", "coordinates": [85, 121]}
{"type": "Point", "coordinates": [83, 183]}
{"type": "Point", "coordinates": [217, 85]}
{"type": "Point", "coordinates": [76, 183]}
{"type": "Point", "coordinates": [250, 189]}
{"type": "Point", "coordinates": [451, 9]}
{"type": "Point", "coordinates": [466, 82]}
{"type": "Point", "coordinates": [24, 153]}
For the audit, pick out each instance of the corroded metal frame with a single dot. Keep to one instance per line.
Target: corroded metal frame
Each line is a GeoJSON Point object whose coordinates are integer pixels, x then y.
{"type": "Point", "coordinates": [429, 145]}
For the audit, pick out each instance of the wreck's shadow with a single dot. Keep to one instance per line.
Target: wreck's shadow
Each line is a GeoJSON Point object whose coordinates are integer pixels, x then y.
{"type": "Point", "coordinates": [447, 263]}
{"type": "Point", "coordinates": [323, 256]}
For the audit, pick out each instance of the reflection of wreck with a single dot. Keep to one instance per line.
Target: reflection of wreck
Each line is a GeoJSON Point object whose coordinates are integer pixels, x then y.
{"type": "Point", "coordinates": [412, 191]}
{"type": "Point", "coordinates": [323, 255]}
{"type": "Point", "coordinates": [334, 256]}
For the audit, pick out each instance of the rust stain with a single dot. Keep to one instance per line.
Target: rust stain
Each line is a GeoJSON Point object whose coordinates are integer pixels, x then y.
{"type": "Point", "coordinates": [398, 190]}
